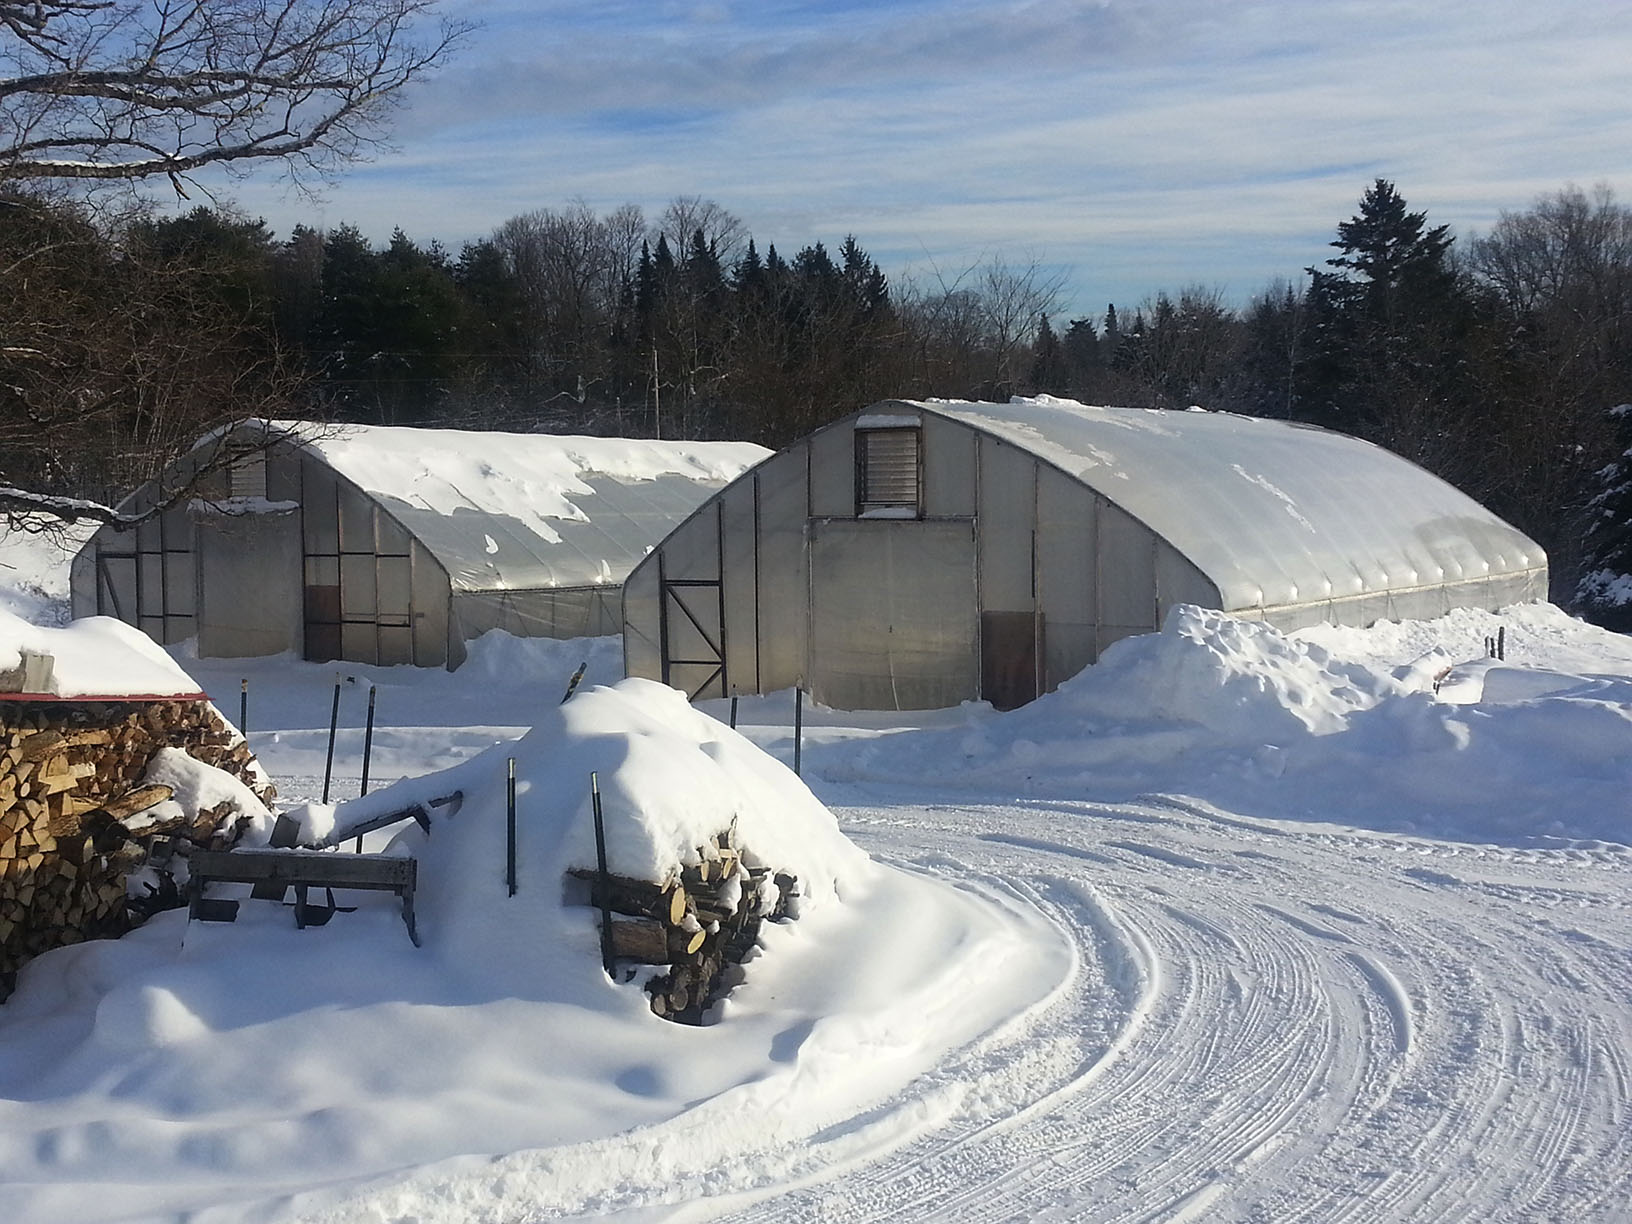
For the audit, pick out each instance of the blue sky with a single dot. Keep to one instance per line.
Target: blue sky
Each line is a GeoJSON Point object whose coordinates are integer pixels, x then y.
{"type": "Point", "coordinates": [1138, 144]}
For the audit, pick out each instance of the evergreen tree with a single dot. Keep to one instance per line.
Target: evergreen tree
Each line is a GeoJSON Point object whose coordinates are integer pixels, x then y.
{"type": "Point", "coordinates": [1386, 324]}
{"type": "Point", "coordinates": [1113, 337]}
{"type": "Point", "coordinates": [1079, 350]}
{"type": "Point", "coordinates": [748, 277]}
{"type": "Point", "coordinates": [1605, 592]}
{"type": "Point", "coordinates": [1049, 369]}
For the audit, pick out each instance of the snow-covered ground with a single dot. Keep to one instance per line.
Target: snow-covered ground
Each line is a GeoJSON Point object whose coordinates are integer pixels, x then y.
{"type": "Point", "coordinates": [1235, 926]}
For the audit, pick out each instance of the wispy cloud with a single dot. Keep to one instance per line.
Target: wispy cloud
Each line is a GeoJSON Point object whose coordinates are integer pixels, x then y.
{"type": "Point", "coordinates": [1144, 143]}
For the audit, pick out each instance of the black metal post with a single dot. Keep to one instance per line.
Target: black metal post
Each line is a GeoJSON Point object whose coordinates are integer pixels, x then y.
{"type": "Point", "coordinates": [334, 722]}
{"type": "Point", "coordinates": [243, 707]}
{"type": "Point", "coordinates": [798, 726]}
{"type": "Point", "coordinates": [510, 829]}
{"type": "Point", "coordinates": [603, 878]}
{"type": "Point", "coordinates": [368, 751]}
{"type": "Point", "coordinates": [733, 713]}
{"type": "Point", "coordinates": [368, 740]}
{"type": "Point", "coordinates": [572, 685]}
{"type": "Point", "coordinates": [1501, 643]}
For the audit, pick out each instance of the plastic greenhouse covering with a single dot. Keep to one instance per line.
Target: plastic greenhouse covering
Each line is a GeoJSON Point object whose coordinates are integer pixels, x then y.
{"type": "Point", "coordinates": [516, 512]}
{"type": "Point", "coordinates": [1277, 515]}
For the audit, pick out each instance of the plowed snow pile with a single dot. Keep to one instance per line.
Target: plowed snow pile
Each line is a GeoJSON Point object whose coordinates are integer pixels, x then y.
{"type": "Point", "coordinates": [250, 1069]}
{"type": "Point", "coordinates": [1335, 724]}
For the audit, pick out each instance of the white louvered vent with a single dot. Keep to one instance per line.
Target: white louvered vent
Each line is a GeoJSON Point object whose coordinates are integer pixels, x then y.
{"type": "Point", "coordinates": [249, 475]}
{"type": "Point", "coordinates": [887, 471]}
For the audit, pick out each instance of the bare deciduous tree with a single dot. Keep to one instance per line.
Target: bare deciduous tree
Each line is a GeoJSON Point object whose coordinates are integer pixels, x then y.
{"type": "Point", "coordinates": [722, 230]}
{"type": "Point", "coordinates": [115, 359]}
{"type": "Point", "coordinates": [115, 90]}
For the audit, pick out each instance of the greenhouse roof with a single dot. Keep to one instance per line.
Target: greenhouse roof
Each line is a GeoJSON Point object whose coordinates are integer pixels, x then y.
{"type": "Point", "coordinates": [505, 511]}
{"type": "Point", "coordinates": [1272, 512]}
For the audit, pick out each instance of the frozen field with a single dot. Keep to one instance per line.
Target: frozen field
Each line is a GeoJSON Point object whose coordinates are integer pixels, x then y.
{"type": "Point", "coordinates": [1335, 927]}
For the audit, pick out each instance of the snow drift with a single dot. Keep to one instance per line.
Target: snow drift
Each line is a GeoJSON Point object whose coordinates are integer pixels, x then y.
{"type": "Point", "coordinates": [1380, 728]}
{"type": "Point", "coordinates": [253, 1071]}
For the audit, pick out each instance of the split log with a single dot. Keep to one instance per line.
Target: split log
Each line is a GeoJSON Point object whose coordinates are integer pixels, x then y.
{"type": "Point", "coordinates": [640, 939]}
{"type": "Point", "coordinates": [709, 912]}
{"type": "Point", "coordinates": [138, 800]}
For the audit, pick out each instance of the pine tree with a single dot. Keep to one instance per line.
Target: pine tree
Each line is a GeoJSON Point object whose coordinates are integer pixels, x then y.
{"type": "Point", "coordinates": [1605, 592]}
{"type": "Point", "coordinates": [1048, 364]}
{"type": "Point", "coordinates": [1388, 326]}
{"type": "Point", "coordinates": [1395, 265]}
{"type": "Point", "coordinates": [748, 277]}
{"type": "Point", "coordinates": [1112, 340]}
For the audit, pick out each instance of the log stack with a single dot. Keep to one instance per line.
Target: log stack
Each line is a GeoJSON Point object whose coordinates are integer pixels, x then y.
{"type": "Point", "coordinates": [70, 779]}
{"type": "Point", "coordinates": [700, 921]}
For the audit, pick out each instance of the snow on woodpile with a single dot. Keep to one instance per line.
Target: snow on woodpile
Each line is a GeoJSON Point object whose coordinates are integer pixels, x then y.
{"type": "Point", "coordinates": [694, 814]}
{"type": "Point", "coordinates": [105, 744]}
{"type": "Point", "coordinates": [93, 657]}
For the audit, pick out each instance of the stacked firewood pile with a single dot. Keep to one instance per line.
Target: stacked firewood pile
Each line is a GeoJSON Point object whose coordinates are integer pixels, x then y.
{"type": "Point", "coordinates": [70, 784]}
{"type": "Point", "coordinates": [700, 921]}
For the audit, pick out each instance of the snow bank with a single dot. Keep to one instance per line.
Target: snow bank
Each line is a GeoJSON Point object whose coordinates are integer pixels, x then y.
{"type": "Point", "coordinates": [1234, 678]}
{"type": "Point", "coordinates": [250, 1071]}
{"type": "Point", "coordinates": [96, 656]}
{"type": "Point", "coordinates": [671, 779]}
{"type": "Point", "coordinates": [1329, 723]}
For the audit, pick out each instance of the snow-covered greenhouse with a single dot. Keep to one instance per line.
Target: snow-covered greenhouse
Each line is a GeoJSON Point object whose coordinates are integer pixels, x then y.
{"type": "Point", "coordinates": [915, 555]}
{"type": "Point", "coordinates": [377, 544]}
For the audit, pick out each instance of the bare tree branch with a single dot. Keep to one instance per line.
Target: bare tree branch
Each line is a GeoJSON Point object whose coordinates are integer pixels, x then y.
{"type": "Point", "coordinates": [92, 90]}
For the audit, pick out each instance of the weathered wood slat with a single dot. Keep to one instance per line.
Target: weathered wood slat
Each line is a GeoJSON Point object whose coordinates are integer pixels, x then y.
{"type": "Point", "coordinates": [319, 868]}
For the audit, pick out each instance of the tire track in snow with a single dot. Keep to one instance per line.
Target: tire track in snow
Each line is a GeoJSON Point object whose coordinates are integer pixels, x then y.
{"type": "Point", "coordinates": [1336, 1031]}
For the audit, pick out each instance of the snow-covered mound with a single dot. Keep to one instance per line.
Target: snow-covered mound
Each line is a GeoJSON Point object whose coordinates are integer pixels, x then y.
{"type": "Point", "coordinates": [671, 779]}
{"type": "Point", "coordinates": [1381, 728]}
{"type": "Point", "coordinates": [253, 1071]}
{"type": "Point", "coordinates": [1238, 679]}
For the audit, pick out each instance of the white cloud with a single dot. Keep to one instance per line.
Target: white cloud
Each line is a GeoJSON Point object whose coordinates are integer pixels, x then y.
{"type": "Point", "coordinates": [1145, 144]}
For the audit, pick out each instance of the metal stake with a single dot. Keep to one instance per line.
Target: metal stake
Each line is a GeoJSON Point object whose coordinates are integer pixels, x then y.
{"type": "Point", "coordinates": [368, 751]}
{"type": "Point", "coordinates": [1501, 643]}
{"type": "Point", "coordinates": [733, 713]}
{"type": "Point", "coordinates": [510, 828]}
{"type": "Point", "coordinates": [243, 707]}
{"type": "Point", "coordinates": [572, 685]}
{"type": "Point", "coordinates": [798, 726]}
{"type": "Point", "coordinates": [604, 879]}
{"type": "Point", "coordinates": [368, 740]}
{"type": "Point", "coordinates": [334, 721]}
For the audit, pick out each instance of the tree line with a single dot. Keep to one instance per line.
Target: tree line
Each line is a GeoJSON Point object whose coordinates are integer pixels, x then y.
{"type": "Point", "coordinates": [1493, 362]}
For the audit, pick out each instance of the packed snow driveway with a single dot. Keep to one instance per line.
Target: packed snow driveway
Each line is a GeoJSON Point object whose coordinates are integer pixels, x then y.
{"type": "Point", "coordinates": [1274, 1021]}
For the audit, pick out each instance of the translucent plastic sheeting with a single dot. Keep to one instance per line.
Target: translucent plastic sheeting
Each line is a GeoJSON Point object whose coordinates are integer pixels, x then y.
{"type": "Point", "coordinates": [550, 612]}
{"type": "Point", "coordinates": [1274, 514]}
{"type": "Point", "coordinates": [893, 616]}
{"type": "Point", "coordinates": [484, 550]}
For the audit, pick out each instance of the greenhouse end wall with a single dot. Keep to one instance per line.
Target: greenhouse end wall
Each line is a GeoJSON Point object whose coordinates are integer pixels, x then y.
{"type": "Point", "coordinates": [1011, 577]}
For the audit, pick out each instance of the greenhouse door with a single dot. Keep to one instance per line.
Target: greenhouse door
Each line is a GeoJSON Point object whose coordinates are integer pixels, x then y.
{"type": "Point", "coordinates": [1009, 651]}
{"type": "Point", "coordinates": [893, 623]}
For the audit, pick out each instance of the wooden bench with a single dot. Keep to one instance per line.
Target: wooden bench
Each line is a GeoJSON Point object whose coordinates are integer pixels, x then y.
{"type": "Point", "coordinates": [274, 872]}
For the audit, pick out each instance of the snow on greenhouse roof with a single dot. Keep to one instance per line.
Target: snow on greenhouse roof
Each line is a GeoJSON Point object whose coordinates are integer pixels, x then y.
{"type": "Point", "coordinates": [506, 511]}
{"type": "Point", "coordinates": [1273, 513]}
